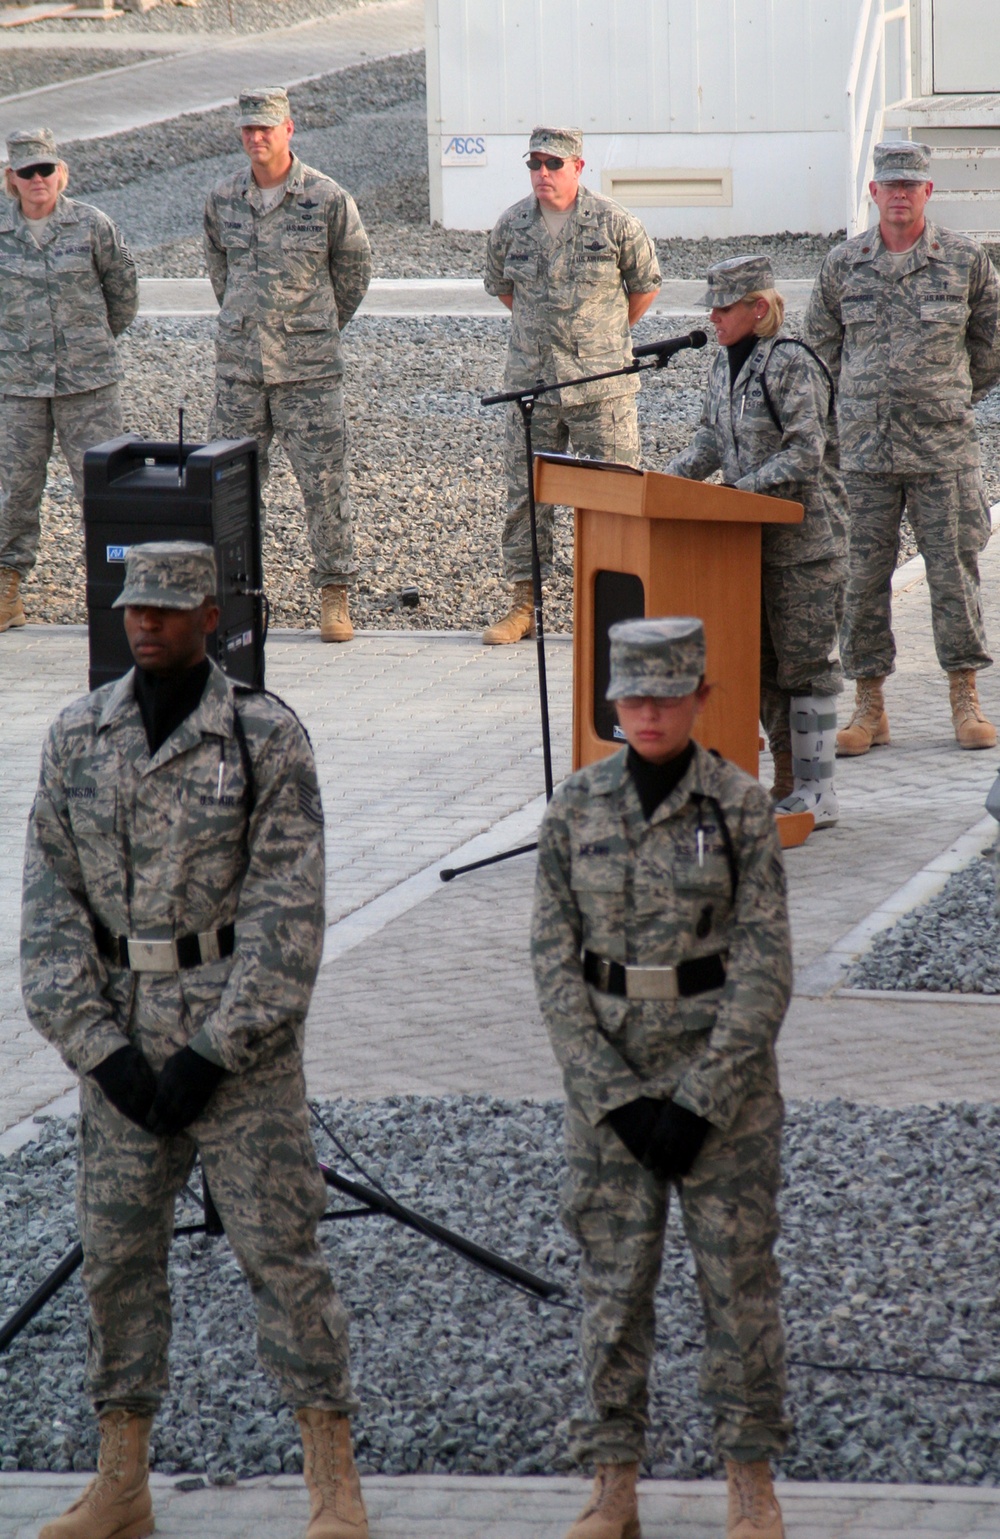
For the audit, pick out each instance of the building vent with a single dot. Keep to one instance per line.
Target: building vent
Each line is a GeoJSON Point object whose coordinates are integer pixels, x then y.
{"type": "Point", "coordinates": [669, 187]}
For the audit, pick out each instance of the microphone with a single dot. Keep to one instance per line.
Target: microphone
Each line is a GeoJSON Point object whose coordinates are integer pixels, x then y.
{"type": "Point", "coordinates": [667, 349]}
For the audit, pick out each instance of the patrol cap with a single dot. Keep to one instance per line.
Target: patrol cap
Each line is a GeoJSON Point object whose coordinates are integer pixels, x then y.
{"type": "Point", "coordinates": [900, 161]}
{"type": "Point", "coordinates": [664, 657]}
{"type": "Point", "coordinates": [263, 107]}
{"type": "Point", "coordinates": [735, 278]}
{"type": "Point", "coordinates": [31, 147]}
{"type": "Point", "coordinates": [168, 574]}
{"type": "Point", "coordinates": [567, 143]}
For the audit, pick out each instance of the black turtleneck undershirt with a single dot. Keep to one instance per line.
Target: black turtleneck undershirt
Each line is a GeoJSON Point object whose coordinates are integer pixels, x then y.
{"type": "Point", "coordinates": [165, 702]}
{"type": "Point", "coordinates": [654, 782]}
{"type": "Point", "coordinates": [738, 355]}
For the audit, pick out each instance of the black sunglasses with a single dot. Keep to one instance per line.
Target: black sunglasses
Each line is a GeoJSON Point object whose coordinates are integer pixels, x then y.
{"type": "Point", "coordinates": [28, 173]}
{"type": "Point", "coordinates": [550, 162]}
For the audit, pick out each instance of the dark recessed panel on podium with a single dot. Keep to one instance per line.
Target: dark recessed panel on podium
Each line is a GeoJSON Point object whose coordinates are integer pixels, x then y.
{"type": "Point", "coordinates": [650, 544]}
{"type": "Point", "coordinates": [133, 492]}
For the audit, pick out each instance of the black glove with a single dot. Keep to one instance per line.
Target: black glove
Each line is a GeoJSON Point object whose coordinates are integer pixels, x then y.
{"type": "Point", "coordinates": [676, 1141]}
{"type": "Point", "coordinates": [128, 1081]}
{"type": "Point", "coordinates": [185, 1086]}
{"type": "Point", "coordinates": [635, 1123]}
{"type": "Point", "coordinates": [661, 1135]}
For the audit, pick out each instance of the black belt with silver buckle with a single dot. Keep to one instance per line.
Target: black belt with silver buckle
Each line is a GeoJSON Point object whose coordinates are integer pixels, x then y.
{"type": "Point", "coordinates": [698, 975]}
{"type": "Point", "coordinates": [164, 956]}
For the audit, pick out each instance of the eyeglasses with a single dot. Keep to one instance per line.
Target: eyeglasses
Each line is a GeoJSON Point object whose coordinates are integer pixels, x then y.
{"type": "Point", "coordinates": [550, 162]}
{"type": "Point", "coordinates": [28, 173]}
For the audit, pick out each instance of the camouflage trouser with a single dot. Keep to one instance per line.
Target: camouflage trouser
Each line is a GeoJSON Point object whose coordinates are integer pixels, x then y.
{"type": "Point", "coordinates": [28, 425]}
{"type": "Point", "coordinates": [601, 430]}
{"type": "Point", "coordinates": [309, 421]}
{"type": "Point", "coordinates": [617, 1213]}
{"type": "Point", "coordinates": [801, 611]}
{"type": "Point", "coordinates": [951, 520]}
{"type": "Point", "coordinates": [261, 1169]}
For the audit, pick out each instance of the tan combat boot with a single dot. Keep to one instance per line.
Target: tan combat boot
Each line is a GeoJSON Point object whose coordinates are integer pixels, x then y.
{"type": "Point", "coordinates": [517, 622]}
{"type": "Point", "coordinates": [117, 1503]}
{"type": "Point", "coordinates": [335, 622]}
{"type": "Point", "coordinates": [972, 729]}
{"type": "Point", "coordinates": [784, 779]}
{"type": "Point", "coordinates": [11, 608]}
{"type": "Point", "coordinates": [869, 725]}
{"type": "Point", "coordinates": [613, 1509]}
{"type": "Point", "coordinates": [753, 1507]}
{"type": "Point", "coordinates": [338, 1508]}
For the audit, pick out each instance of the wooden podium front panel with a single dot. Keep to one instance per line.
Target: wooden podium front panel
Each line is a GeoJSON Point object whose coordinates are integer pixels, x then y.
{"type": "Point", "coordinates": [709, 569]}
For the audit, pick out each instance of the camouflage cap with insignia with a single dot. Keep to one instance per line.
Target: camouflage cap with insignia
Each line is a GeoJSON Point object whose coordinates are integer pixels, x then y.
{"type": "Point", "coordinates": [168, 574]}
{"type": "Point", "coordinates": [665, 658]}
{"type": "Point", "coordinates": [900, 161]}
{"type": "Point", "coordinates": [263, 107]}
{"type": "Point", "coordinates": [735, 278]}
{"type": "Point", "coordinates": [31, 147]}
{"type": "Point", "coordinates": [567, 143]}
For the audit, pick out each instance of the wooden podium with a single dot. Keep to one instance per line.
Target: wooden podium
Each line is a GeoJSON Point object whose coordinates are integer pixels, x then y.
{"type": "Point", "coordinates": [650, 544]}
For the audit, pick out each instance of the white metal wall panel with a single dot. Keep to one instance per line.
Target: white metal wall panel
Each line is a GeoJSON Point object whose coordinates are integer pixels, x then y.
{"type": "Point", "coordinates": [644, 66]}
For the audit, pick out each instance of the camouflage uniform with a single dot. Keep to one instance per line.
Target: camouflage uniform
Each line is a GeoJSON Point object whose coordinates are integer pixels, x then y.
{"type": "Point", "coordinates": [636, 892]}
{"type": "Point", "coordinates": [288, 281]}
{"type": "Point", "coordinates": [123, 843]}
{"type": "Point", "coordinates": [61, 306]}
{"type": "Point", "coordinates": [912, 344]}
{"type": "Point", "coordinates": [803, 565]}
{"type": "Point", "coordinates": [570, 318]}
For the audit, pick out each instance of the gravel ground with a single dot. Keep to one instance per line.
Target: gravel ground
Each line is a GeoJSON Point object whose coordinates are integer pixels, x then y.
{"type": "Point", "coordinates": [890, 1254]}
{"type": "Point", "coordinates": [950, 945]}
{"type": "Point", "coordinates": [24, 70]}
{"type": "Point", "coordinates": [204, 16]}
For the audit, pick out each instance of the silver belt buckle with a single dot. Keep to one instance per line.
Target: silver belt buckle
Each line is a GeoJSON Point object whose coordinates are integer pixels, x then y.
{"type": "Point", "coordinates": [208, 945]}
{"type": "Point", "coordinates": [651, 983]}
{"type": "Point", "coordinates": [151, 956]}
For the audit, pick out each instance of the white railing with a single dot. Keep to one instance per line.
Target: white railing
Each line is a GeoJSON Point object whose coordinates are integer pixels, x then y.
{"type": "Point", "coordinates": [879, 75]}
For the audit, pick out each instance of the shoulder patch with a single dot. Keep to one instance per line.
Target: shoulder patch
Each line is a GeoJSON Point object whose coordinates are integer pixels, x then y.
{"type": "Point", "coordinates": [310, 804]}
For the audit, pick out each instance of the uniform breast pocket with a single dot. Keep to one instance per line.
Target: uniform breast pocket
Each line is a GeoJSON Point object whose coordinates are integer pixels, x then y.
{"type": "Point", "coordinates": [952, 313]}
{"type": "Point", "coordinates": [92, 810]}
{"type": "Point", "coordinates": [235, 238]}
{"type": "Point", "coordinates": [706, 890]}
{"type": "Point", "coordinates": [860, 311]}
{"type": "Point", "coordinates": [301, 241]}
{"type": "Point", "coordinates": [598, 882]}
{"type": "Point", "coordinates": [520, 266]}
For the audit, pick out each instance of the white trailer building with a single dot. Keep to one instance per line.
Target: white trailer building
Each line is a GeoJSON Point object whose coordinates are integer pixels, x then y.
{"type": "Point", "coordinates": [716, 117]}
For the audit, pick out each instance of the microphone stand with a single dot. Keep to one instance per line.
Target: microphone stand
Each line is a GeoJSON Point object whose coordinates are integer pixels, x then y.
{"type": "Point", "coordinates": [525, 401]}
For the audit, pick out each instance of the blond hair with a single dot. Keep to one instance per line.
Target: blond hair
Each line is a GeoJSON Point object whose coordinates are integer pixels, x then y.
{"type": "Point", "coordinates": [10, 182]}
{"type": "Point", "coordinates": [771, 323]}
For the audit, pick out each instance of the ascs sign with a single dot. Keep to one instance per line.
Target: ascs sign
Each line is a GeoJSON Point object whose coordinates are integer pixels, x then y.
{"type": "Point", "coordinates": [464, 150]}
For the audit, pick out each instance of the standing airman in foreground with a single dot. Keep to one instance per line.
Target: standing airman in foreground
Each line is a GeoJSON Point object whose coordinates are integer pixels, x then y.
{"type": "Point", "coordinates": [172, 926]}
{"type": "Point", "coordinates": [907, 319]}
{"type": "Point", "coordinates": [68, 288]}
{"type": "Point", "coordinates": [290, 263]}
{"type": "Point", "coordinates": [577, 271]}
{"type": "Point", "coordinates": [663, 969]}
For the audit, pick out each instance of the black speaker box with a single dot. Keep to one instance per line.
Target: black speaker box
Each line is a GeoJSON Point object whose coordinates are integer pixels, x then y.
{"type": "Point", "coordinates": [133, 492]}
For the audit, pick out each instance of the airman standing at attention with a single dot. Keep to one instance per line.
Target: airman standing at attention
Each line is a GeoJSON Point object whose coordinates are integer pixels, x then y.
{"type": "Point", "coordinates": [662, 963]}
{"type": "Point", "coordinates": [907, 319]}
{"type": "Point", "coordinates": [290, 263]}
{"type": "Point", "coordinates": [68, 288]}
{"type": "Point", "coordinates": [577, 271]}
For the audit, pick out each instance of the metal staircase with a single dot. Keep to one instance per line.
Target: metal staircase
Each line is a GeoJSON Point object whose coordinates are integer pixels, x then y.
{"type": "Point", "coordinates": [964, 132]}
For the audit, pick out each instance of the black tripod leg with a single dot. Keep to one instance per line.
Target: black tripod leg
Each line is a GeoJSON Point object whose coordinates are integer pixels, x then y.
{"type": "Point", "coordinates": [213, 1223]}
{"type": "Point", "coordinates": [29, 1309]}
